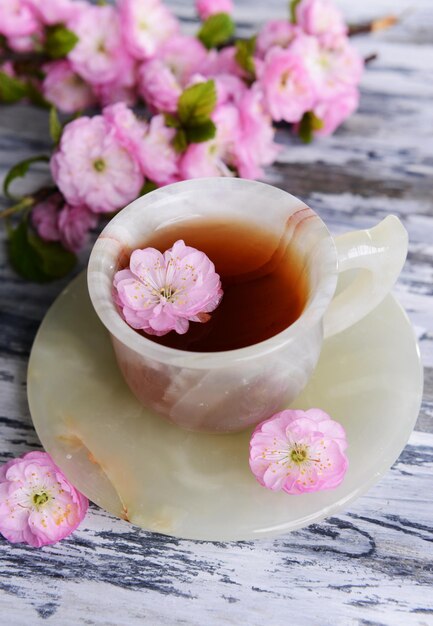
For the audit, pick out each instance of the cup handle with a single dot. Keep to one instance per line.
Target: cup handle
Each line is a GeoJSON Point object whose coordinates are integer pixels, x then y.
{"type": "Point", "coordinates": [379, 254]}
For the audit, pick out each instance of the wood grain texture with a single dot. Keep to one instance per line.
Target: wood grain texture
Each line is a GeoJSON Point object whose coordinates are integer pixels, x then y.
{"type": "Point", "coordinates": [369, 566]}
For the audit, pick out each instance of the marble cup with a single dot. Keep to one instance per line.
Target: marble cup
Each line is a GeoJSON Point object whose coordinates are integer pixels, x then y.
{"type": "Point", "coordinates": [228, 391]}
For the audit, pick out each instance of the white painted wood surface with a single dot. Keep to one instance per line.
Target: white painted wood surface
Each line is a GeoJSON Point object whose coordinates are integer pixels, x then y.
{"type": "Point", "coordinates": [371, 565]}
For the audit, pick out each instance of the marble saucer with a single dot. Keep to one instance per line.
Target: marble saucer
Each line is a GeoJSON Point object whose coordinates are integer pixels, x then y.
{"type": "Point", "coordinates": [197, 486]}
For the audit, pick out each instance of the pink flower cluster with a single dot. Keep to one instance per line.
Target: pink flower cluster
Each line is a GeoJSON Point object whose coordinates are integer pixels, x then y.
{"type": "Point", "coordinates": [38, 505]}
{"type": "Point", "coordinates": [134, 52]}
{"type": "Point", "coordinates": [309, 66]}
{"type": "Point", "coordinates": [164, 292]}
{"type": "Point", "coordinates": [299, 452]}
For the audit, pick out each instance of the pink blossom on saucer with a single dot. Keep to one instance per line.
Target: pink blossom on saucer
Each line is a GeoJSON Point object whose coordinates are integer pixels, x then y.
{"type": "Point", "coordinates": [164, 292]}
{"type": "Point", "coordinates": [145, 25]}
{"type": "Point", "coordinates": [98, 56]}
{"type": "Point", "coordinates": [320, 17]}
{"type": "Point", "coordinates": [17, 19]}
{"type": "Point", "coordinates": [275, 33]}
{"type": "Point", "coordinates": [38, 505]}
{"type": "Point", "coordinates": [66, 89]}
{"type": "Point", "coordinates": [91, 167]}
{"type": "Point", "coordinates": [287, 86]}
{"type": "Point", "coordinates": [299, 452]}
{"type": "Point", "coordinates": [206, 8]}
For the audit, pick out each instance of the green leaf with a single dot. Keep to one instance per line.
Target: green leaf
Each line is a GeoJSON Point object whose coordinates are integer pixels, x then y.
{"type": "Point", "coordinates": [179, 141]}
{"type": "Point", "coordinates": [35, 96]}
{"type": "Point", "coordinates": [55, 125]}
{"type": "Point", "coordinates": [196, 103]}
{"type": "Point", "coordinates": [216, 30]}
{"type": "Point", "coordinates": [59, 41]}
{"type": "Point", "coordinates": [19, 170]}
{"type": "Point", "coordinates": [55, 261]}
{"type": "Point", "coordinates": [35, 259]}
{"type": "Point", "coordinates": [309, 123]}
{"type": "Point", "coordinates": [11, 89]}
{"type": "Point", "coordinates": [201, 132]}
{"type": "Point", "coordinates": [244, 56]}
{"type": "Point", "coordinates": [292, 8]}
{"type": "Point", "coordinates": [171, 121]}
{"type": "Point", "coordinates": [148, 186]}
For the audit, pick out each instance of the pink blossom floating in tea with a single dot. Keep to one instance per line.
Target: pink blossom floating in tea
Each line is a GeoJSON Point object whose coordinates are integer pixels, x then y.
{"type": "Point", "coordinates": [38, 505]}
{"type": "Point", "coordinates": [299, 452]}
{"type": "Point", "coordinates": [164, 292]}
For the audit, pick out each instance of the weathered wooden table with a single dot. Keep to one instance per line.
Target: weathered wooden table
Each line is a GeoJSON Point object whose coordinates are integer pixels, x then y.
{"type": "Point", "coordinates": [370, 565]}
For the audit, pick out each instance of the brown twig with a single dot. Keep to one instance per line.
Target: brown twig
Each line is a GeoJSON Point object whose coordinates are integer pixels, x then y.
{"type": "Point", "coordinates": [371, 57]}
{"type": "Point", "coordinates": [373, 26]}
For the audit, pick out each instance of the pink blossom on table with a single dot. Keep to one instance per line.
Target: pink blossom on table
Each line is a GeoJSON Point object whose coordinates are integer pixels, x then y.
{"type": "Point", "coordinates": [17, 19]}
{"type": "Point", "coordinates": [299, 452]}
{"type": "Point", "coordinates": [158, 86]}
{"type": "Point", "coordinates": [157, 158]}
{"type": "Point", "coordinates": [331, 67]}
{"type": "Point", "coordinates": [91, 167]}
{"type": "Point", "coordinates": [213, 157]}
{"type": "Point", "coordinates": [320, 17]}
{"type": "Point", "coordinates": [275, 33]}
{"type": "Point", "coordinates": [99, 55]}
{"type": "Point", "coordinates": [206, 8]}
{"type": "Point", "coordinates": [255, 147]}
{"type": "Point", "coordinates": [145, 25]}
{"type": "Point", "coordinates": [184, 55]}
{"type": "Point", "coordinates": [51, 12]}
{"type": "Point", "coordinates": [38, 505]}
{"type": "Point", "coordinates": [56, 221]}
{"type": "Point", "coordinates": [164, 292]}
{"type": "Point", "coordinates": [332, 112]}
{"type": "Point", "coordinates": [287, 86]}
{"type": "Point", "coordinates": [66, 89]}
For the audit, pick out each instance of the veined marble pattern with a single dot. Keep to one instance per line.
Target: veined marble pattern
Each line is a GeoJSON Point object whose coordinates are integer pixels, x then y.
{"type": "Point", "coordinates": [370, 565]}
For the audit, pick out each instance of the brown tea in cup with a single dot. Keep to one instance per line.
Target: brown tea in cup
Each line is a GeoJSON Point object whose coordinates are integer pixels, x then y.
{"type": "Point", "coordinates": [264, 283]}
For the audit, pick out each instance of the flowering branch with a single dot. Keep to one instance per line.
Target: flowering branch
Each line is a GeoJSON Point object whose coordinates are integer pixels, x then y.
{"type": "Point", "coordinates": [209, 104]}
